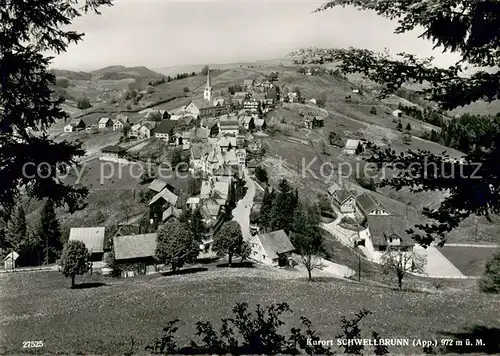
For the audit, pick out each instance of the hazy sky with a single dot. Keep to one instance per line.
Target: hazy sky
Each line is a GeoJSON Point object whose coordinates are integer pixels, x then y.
{"type": "Point", "coordinates": [157, 33]}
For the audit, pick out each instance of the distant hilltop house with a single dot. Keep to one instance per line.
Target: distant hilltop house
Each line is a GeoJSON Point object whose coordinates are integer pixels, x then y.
{"type": "Point", "coordinates": [92, 237]}
{"type": "Point", "coordinates": [75, 125]}
{"type": "Point", "coordinates": [352, 147]}
{"type": "Point", "coordinates": [113, 153]}
{"type": "Point", "coordinates": [312, 122]}
{"type": "Point", "coordinates": [138, 250]}
{"type": "Point", "coordinates": [105, 122]}
{"type": "Point", "coordinates": [273, 248]}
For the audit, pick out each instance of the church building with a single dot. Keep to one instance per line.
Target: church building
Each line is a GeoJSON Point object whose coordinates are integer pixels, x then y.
{"type": "Point", "coordinates": [208, 106]}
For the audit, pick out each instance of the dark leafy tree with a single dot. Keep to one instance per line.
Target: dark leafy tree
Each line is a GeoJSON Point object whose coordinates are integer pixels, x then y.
{"type": "Point", "coordinates": [29, 31]}
{"type": "Point", "coordinates": [400, 126]}
{"type": "Point", "coordinates": [284, 206]}
{"type": "Point", "coordinates": [17, 230]}
{"type": "Point", "coordinates": [204, 70]}
{"type": "Point", "coordinates": [408, 127]}
{"type": "Point", "coordinates": [471, 30]}
{"type": "Point", "coordinates": [166, 115]}
{"type": "Point", "coordinates": [490, 282]}
{"type": "Point", "coordinates": [266, 208]}
{"type": "Point", "coordinates": [406, 138]}
{"type": "Point", "coordinates": [175, 245]}
{"type": "Point", "coordinates": [83, 103]}
{"type": "Point", "coordinates": [75, 260]}
{"type": "Point", "coordinates": [307, 238]}
{"type": "Point", "coordinates": [261, 174]}
{"type": "Point", "coordinates": [228, 240]}
{"type": "Point", "coordinates": [351, 330]}
{"type": "Point", "coordinates": [185, 90]}
{"type": "Point", "coordinates": [49, 232]}
{"type": "Point", "coordinates": [197, 225]}
{"type": "Point", "coordinates": [373, 110]}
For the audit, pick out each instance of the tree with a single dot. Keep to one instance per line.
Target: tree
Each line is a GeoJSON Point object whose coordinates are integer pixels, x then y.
{"type": "Point", "coordinates": [197, 225]}
{"type": "Point", "coordinates": [26, 100]}
{"type": "Point", "coordinates": [324, 148]}
{"type": "Point", "coordinates": [261, 174]}
{"type": "Point", "coordinates": [83, 103]}
{"type": "Point", "coordinates": [307, 238]}
{"type": "Point", "coordinates": [204, 70]}
{"type": "Point", "coordinates": [185, 90]}
{"type": "Point", "coordinates": [228, 240]}
{"type": "Point", "coordinates": [75, 260]}
{"type": "Point", "coordinates": [155, 116]}
{"type": "Point", "coordinates": [126, 129]}
{"type": "Point", "coordinates": [400, 262]}
{"type": "Point", "coordinates": [49, 232]}
{"type": "Point", "coordinates": [471, 34]}
{"type": "Point", "coordinates": [266, 208]}
{"type": "Point", "coordinates": [400, 126]}
{"type": "Point", "coordinates": [16, 231]}
{"type": "Point", "coordinates": [490, 282]}
{"type": "Point", "coordinates": [166, 115]}
{"type": "Point", "coordinates": [283, 208]}
{"type": "Point", "coordinates": [245, 251]}
{"type": "Point", "coordinates": [408, 127]}
{"type": "Point", "coordinates": [175, 245]}
{"type": "Point", "coordinates": [373, 110]}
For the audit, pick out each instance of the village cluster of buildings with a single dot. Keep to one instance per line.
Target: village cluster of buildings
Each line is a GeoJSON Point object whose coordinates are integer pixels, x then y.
{"type": "Point", "coordinates": [381, 228]}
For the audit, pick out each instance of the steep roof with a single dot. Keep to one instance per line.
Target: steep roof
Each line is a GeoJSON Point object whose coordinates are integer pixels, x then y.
{"type": "Point", "coordinates": [92, 237]}
{"type": "Point", "coordinates": [134, 246]}
{"type": "Point", "coordinates": [165, 126]}
{"type": "Point", "coordinates": [343, 195]}
{"type": "Point", "coordinates": [259, 122]}
{"type": "Point", "coordinates": [229, 123]}
{"type": "Point", "coordinates": [104, 120]}
{"type": "Point", "coordinates": [166, 195]}
{"type": "Point", "coordinates": [333, 188]}
{"type": "Point", "coordinates": [383, 226]}
{"type": "Point", "coordinates": [276, 243]}
{"type": "Point", "coordinates": [113, 149]}
{"type": "Point", "coordinates": [352, 144]}
{"type": "Point", "coordinates": [368, 203]}
{"type": "Point", "coordinates": [202, 104]}
{"type": "Point", "coordinates": [157, 185]}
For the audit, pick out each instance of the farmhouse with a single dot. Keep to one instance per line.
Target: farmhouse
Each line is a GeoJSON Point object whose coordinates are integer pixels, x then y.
{"type": "Point", "coordinates": [92, 237]}
{"type": "Point", "coordinates": [212, 125]}
{"type": "Point", "coordinates": [117, 125]}
{"type": "Point", "coordinates": [105, 122]}
{"type": "Point", "coordinates": [345, 201]}
{"type": "Point", "coordinates": [273, 248]}
{"type": "Point", "coordinates": [134, 130]}
{"type": "Point", "coordinates": [251, 105]}
{"type": "Point", "coordinates": [165, 129]}
{"type": "Point", "coordinates": [158, 204]}
{"type": "Point", "coordinates": [157, 185]}
{"type": "Point", "coordinates": [312, 122]}
{"type": "Point", "coordinates": [389, 233]}
{"type": "Point", "coordinates": [75, 125]}
{"type": "Point", "coordinates": [370, 206]}
{"type": "Point", "coordinates": [352, 147]}
{"type": "Point", "coordinates": [112, 153]}
{"type": "Point", "coordinates": [135, 251]}
{"type": "Point", "coordinates": [146, 130]}
{"type": "Point", "coordinates": [229, 127]}
{"type": "Point", "coordinates": [247, 122]}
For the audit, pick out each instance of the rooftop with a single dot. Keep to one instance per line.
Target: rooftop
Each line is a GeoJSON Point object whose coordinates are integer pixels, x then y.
{"type": "Point", "coordinates": [276, 243]}
{"type": "Point", "coordinates": [113, 149]}
{"type": "Point", "coordinates": [92, 237]}
{"type": "Point", "coordinates": [134, 246]}
{"type": "Point", "coordinates": [383, 226]}
{"type": "Point", "coordinates": [165, 126]}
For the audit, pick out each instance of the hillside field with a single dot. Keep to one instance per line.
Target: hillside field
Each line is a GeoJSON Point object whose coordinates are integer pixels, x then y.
{"type": "Point", "coordinates": [101, 319]}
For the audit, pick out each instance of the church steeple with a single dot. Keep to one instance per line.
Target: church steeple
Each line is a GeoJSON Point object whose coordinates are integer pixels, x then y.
{"type": "Point", "coordinates": [207, 94]}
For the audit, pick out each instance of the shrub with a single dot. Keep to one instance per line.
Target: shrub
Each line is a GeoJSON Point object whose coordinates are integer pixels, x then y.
{"type": "Point", "coordinates": [74, 260]}
{"type": "Point", "coordinates": [83, 103]}
{"type": "Point", "coordinates": [186, 90]}
{"type": "Point", "coordinates": [373, 110]}
{"type": "Point", "coordinates": [490, 282]}
{"type": "Point", "coordinates": [261, 174]}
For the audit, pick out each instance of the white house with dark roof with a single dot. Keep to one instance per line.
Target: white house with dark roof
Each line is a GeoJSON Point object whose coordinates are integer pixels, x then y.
{"type": "Point", "coordinates": [345, 201]}
{"type": "Point", "coordinates": [113, 153]}
{"type": "Point", "coordinates": [157, 185]}
{"type": "Point", "coordinates": [92, 237]}
{"type": "Point", "coordinates": [229, 127]}
{"type": "Point", "coordinates": [164, 130]}
{"type": "Point", "coordinates": [105, 122]}
{"type": "Point", "coordinates": [273, 248]}
{"type": "Point", "coordinates": [351, 146]}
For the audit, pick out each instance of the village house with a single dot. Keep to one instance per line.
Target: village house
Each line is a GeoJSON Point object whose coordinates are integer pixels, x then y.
{"type": "Point", "coordinates": [260, 124]}
{"type": "Point", "coordinates": [388, 233]}
{"type": "Point", "coordinates": [251, 105]}
{"type": "Point", "coordinates": [247, 122]}
{"type": "Point", "coordinates": [273, 248]}
{"type": "Point", "coordinates": [352, 147]}
{"type": "Point", "coordinates": [157, 185]}
{"type": "Point", "coordinates": [146, 130]}
{"type": "Point", "coordinates": [197, 155]}
{"type": "Point", "coordinates": [201, 108]}
{"type": "Point", "coordinates": [293, 97]}
{"type": "Point", "coordinates": [312, 122]}
{"type": "Point", "coordinates": [254, 146]}
{"type": "Point", "coordinates": [75, 125]}
{"type": "Point", "coordinates": [160, 202]}
{"type": "Point", "coordinates": [229, 158]}
{"type": "Point", "coordinates": [105, 122]}
{"type": "Point", "coordinates": [9, 261]}
{"type": "Point", "coordinates": [117, 125]}
{"type": "Point", "coordinates": [134, 130]}
{"type": "Point", "coordinates": [229, 127]}
{"type": "Point", "coordinates": [227, 143]}
{"type": "Point", "coordinates": [221, 106]}
{"type": "Point", "coordinates": [164, 130]}
{"type": "Point", "coordinates": [343, 199]}
{"type": "Point", "coordinates": [112, 153]}
{"type": "Point", "coordinates": [193, 203]}
{"type": "Point", "coordinates": [134, 251]}
{"type": "Point", "coordinates": [213, 160]}
{"type": "Point", "coordinates": [397, 113]}
{"type": "Point", "coordinates": [92, 237]}
{"type": "Point", "coordinates": [370, 206]}
{"type": "Point", "coordinates": [212, 125]}
{"type": "Point", "coordinates": [241, 155]}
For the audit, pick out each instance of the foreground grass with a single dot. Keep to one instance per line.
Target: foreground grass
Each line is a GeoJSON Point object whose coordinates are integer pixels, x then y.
{"type": "Point", "coordinates": [101, 320]}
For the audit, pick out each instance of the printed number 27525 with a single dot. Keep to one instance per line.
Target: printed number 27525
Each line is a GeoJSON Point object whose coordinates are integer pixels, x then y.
{"type": "Point", "coordinates": [32, 344]}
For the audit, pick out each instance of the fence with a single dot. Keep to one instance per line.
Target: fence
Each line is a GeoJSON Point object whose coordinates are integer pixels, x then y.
{"type": "Point", "coordinates": [444, 277]}
{"type": "Point", "coordinates": [28, 269]}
